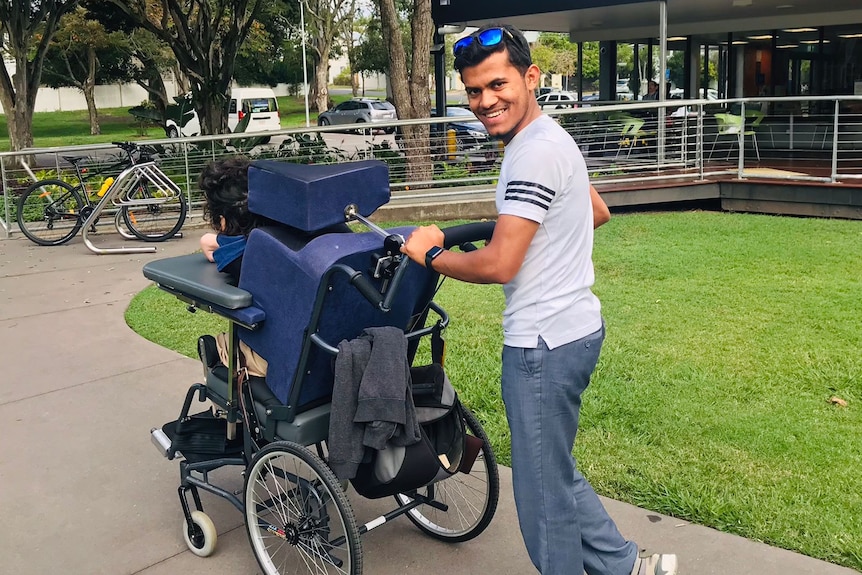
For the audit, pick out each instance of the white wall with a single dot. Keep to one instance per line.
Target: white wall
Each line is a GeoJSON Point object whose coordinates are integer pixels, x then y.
{"type": "Point", "coordinates": [110, 96]}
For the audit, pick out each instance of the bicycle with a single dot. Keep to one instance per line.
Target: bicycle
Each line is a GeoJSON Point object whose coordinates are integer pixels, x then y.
{"type": "Point", "coordinates": [50, 212]}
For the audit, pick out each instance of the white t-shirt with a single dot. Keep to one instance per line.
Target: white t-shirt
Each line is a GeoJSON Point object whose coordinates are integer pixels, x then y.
{"type": "Point", "coordinates": [543, 178]}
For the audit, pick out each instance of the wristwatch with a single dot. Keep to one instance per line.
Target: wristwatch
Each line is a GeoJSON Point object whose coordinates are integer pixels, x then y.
{"type": "Point", "coordinates": [430, 255]}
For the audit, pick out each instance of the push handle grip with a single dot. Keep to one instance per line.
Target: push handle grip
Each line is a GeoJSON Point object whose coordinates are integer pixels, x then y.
{"type": "Point", "coordinates": [467, 233]}
{"type": "Point", "coordinates": [366, 288]}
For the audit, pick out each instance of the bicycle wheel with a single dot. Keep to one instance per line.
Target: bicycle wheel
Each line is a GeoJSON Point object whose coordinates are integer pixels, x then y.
{"type": "Point", "coordinates": [297, 516]}
{"type": "Point", "coordinates": [469, 500]}
{"type": "Point", "coordinates": [154, 222]}
{"type": "Point", "coordinates": [49, 212]}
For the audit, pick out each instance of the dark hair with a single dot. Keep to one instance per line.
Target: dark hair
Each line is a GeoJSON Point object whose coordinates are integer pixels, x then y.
{"type": "Point", "coordinates": [225, 187]}
{"type": "Point", "coordinates": [516, 45]}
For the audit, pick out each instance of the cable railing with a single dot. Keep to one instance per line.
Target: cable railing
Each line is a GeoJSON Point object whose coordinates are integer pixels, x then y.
{"type": "Point", "coordinates": [804, 139]}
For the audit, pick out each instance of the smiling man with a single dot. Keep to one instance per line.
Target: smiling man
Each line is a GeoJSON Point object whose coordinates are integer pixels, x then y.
{"type": "Point", "coordinates": [541, 252]}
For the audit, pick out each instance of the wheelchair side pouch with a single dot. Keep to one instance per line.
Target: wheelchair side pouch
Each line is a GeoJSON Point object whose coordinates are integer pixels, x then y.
{"type": "Point", "coordinates": [438, 455]}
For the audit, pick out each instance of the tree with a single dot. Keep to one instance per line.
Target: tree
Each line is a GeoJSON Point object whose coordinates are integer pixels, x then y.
{"type": "Point", "coordinates": [554, 53]}
{"type": "Point", "coordinates": [205, 36]}
{"type": "Point", "coordinates": [26, 30]}
{"type": "Point", "coordinates": [347, 31]}
{"type": "Point", "coordinates": [371, 55]}
{"type": "Point", "coordinates": [151, 58]}
{"type": "Point", "coordinates": [82, 54]}
{"type": "Point", "coordinates": [325, 19]}
{"type": "Point", "coordinates": [410, 92]}
{"type": "Point", "coordinates": [270, 45]}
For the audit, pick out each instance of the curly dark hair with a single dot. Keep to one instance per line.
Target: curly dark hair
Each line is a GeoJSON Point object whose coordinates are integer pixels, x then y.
{"type": "Point", "coordinates": [225, 187]}
{"type": "Point", "coordinates": [514, 43]}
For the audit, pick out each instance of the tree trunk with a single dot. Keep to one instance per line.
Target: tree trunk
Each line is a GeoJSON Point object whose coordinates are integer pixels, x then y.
{"type": "Point", "coordinates": [150, 79]}
{"type": "Point", "coordinates": [19, 114]}
{"type": "Point", "coordinates": [89, 89]}
{"type": "Point", "coordinates": [181, 81]}
{"type": "Point", "coordinates": [410, 92]}
{"type": "Point", "coordinates": [89, 96]}
{"type": "Point", "coordinates": [321, 78]}
{"type": "Point", "coordinates": [212, 110]}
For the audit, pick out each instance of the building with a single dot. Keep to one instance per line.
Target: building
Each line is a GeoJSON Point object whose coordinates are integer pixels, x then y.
{"type": "Point", "coordinates": [763, 47]}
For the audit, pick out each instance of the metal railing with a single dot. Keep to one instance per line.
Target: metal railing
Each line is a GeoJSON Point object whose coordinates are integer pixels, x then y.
{"type": "Point", "coordinates": [805, 139]}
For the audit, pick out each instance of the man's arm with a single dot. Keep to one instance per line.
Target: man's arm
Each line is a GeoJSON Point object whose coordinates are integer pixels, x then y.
{"type": "Point", "coordinates": [601, 213]}
{"type": "Point", "coordinates": [497, 262]}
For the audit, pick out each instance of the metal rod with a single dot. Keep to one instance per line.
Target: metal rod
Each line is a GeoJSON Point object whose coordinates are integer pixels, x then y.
{"type": "Point", "coordinates": [662, 94]}
{"type": "Point", "coordinates": [835, 142]}
{"type": "Point", "coordinates": [740, 138]}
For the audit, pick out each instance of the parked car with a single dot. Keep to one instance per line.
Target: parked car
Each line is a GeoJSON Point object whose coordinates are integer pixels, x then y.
{"type": "Point", "coordinates": [470, 133]}
{"type": "Point", "coordinates": [558, 100]}
{"type": "Point", "coordinates": [259, 104]}
{"type": "Point", "coordinates": [359, 111]}
{"type": "Point", "coordinates": [471, 137]}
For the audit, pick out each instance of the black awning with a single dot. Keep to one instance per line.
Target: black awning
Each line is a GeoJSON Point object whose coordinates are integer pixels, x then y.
{"type": "Point", "coordinates": [460, 11]}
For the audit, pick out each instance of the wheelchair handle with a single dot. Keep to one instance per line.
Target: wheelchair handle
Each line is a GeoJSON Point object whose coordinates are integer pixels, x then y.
{"type": "Point", "coordinates": [467, 234]}
{"type": "Point", "coordinates": [365, 287]}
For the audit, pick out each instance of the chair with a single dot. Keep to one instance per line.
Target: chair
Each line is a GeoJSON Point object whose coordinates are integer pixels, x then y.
{"type": "Point", "coordinates": [756, 117]}
{"type": "Point", "coordinates": [629, 131]}
{"type": "Point", "coordinates": [731, 124]}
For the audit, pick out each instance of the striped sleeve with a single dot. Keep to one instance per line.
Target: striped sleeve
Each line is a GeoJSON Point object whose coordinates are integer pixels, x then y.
{"type": "Point", "coordinates": [535, 179]}
{"type": "Point", "coordinates": [530, 192]}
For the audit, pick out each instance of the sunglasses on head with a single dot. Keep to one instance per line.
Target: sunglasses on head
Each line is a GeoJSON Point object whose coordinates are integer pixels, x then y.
{"type": "Point", "coordinates": [489, 37]}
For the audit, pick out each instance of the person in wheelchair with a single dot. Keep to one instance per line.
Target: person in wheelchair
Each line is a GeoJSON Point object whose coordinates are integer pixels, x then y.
{"type": "Point", "coordinates": [225, 187]}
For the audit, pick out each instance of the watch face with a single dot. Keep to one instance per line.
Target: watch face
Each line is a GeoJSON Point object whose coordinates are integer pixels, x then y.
{"type": "Point", "coordinates": [431, 254]}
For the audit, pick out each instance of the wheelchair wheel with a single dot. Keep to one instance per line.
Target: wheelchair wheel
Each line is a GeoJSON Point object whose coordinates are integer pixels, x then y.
{"type": "Point", "coordinates": [470, 499]}
{"type": "Point", "coordinates": [201, 535]}
{"type": "Point", "coordinates": [297, 516]}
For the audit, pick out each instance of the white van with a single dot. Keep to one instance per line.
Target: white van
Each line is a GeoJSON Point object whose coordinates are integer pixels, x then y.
{"type": "Point", "coordinates": [259, 103]}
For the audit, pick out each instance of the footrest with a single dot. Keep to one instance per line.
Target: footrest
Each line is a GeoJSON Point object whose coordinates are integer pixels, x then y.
{"type": "Point", "coordinates": [202, 437]}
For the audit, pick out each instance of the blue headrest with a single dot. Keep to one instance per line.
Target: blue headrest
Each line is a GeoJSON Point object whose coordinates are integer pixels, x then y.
{"type": "Point", "coordinates": [313, 197]}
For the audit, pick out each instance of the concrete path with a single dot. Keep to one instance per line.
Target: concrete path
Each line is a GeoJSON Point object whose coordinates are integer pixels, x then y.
{"type": "Point", "coordinates": [83, 491]}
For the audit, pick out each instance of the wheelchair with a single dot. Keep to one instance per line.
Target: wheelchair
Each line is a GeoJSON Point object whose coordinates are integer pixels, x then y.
{"type": "Point", "coordinates": [308, 285]}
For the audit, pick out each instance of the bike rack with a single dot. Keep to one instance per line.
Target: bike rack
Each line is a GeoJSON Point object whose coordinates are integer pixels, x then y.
{"type": "Point", "coordinates": [121, 193]}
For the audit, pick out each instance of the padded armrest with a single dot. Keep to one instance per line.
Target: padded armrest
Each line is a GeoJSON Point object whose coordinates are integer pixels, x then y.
{"type": "Point", "coordinates": [197, 280]}
{"type": "Point", "coordinates": [193, 275]}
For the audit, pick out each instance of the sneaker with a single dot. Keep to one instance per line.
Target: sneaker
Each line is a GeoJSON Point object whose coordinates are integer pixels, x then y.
{"type": "Point", "coordinates": [655, 565]}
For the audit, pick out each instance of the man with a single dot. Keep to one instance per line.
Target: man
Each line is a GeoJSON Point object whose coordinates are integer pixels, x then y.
{"type": "Point", "coordinates": [652, 91]}
{"type": "Point", "coordinates": [541, 251]}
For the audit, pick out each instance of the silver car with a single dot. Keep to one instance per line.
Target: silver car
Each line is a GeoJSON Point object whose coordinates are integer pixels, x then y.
{"type": "Point", "coordinates": [359, 111]}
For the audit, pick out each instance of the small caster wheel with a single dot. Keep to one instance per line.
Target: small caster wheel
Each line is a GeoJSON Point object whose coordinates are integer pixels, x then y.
{"type": "Point", "coordinates": [201, 535]}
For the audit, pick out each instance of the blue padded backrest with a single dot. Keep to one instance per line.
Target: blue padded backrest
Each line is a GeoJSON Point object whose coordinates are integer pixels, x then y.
{"type": "Point", "coordinates": [313, 197]}
{"type": "Point", "coordinates": [284, 283]}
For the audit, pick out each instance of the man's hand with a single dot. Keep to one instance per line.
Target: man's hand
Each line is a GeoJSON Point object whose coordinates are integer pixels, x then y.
{"type": "Point", "coordinates": [420, 241]}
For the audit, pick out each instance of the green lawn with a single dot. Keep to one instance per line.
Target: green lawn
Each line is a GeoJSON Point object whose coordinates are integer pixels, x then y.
{"type": "Point", "coordinates": [72, 128]}
{"type": "Point", "coordinates": [729, 335]}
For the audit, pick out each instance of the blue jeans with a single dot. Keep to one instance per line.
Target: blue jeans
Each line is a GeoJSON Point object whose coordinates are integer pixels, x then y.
{"type": "Point", "coordinates": [564, 524]}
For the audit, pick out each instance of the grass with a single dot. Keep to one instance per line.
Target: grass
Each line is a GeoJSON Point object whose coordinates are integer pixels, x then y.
{"type": "Point", "coordinates": [729, 335]}
{"type": "Point", "coordinates": [72, 128]}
